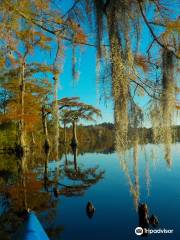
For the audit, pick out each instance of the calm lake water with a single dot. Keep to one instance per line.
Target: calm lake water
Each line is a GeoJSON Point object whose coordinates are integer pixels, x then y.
{"type": "Point", "coordinates": [139, 177]}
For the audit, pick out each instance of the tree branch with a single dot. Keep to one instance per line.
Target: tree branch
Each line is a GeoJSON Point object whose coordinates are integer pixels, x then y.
{"type": "Point", "coordinates": [157, 24]}
{"type": "Point", "coordinates": [152, 32]}
{"type": "Point", "coordinates": [72, 8]}
{"type": "Point", "coordinates": [53, 32]}
{"type": "Point", "coordinates": [141, 86]}
{"type": "Point", "coordinates": [149, 48]}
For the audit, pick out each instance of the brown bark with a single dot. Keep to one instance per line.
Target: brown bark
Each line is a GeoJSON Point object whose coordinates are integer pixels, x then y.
{"type": "Point", "coordinates": [65, 135]}
{"type": "Point", "coordinates": [74, 141]}
{"type": "Point", "coordinates": [56, 66]}
{"type": "Point", "coordinates": [21, 129]}
{"type": "Point", "coordinates": [45, 129]}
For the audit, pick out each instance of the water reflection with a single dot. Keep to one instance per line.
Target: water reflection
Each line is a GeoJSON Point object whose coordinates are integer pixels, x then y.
{"type": "Point", "coordinates": [75, 151]}
{"type": "Point", "coordinates": [82, 177]}
{"type": "Point", "coordinates": [35, 181]}
{"type": "Point", "coordinates": [133, 183]}
{"type": "Point", "coordinates": [147, 174]}
{"type": "Point", "coordinates": [133, 172]}
{"type": "Point", "coordinates": [32, 184]}
{"type": "Point", "coordinates": [25, 192]}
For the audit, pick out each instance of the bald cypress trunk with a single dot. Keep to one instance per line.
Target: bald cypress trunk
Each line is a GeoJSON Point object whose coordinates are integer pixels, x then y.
{"type": "Point", "coordinates": [74, 141]}
{"type": "Point", "coordinates": [55, 96]}
{"type": "Point", "coordinates": [20, 149]}
{"type": "Point", "coordinates": [65, 135]}
{"type": "Point", "coordinates": [56, 118]}
{"type": "Point", "coordinates": [45, 129]}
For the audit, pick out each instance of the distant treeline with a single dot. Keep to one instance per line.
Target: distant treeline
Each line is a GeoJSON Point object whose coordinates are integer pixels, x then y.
{"type": "Point", "coordinates": [99, 138]}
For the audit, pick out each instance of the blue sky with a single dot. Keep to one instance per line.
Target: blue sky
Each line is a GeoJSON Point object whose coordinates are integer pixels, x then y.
{"type": "Point", "coordinates": [85, 87]}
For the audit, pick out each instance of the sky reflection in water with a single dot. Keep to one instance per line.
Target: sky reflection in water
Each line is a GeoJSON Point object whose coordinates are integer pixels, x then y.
{"type": "Point", "coordinates": [115, 196]}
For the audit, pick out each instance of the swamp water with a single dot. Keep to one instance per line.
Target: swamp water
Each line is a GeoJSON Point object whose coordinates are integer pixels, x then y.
{"type": "Point", "coordinates": [58, 191]}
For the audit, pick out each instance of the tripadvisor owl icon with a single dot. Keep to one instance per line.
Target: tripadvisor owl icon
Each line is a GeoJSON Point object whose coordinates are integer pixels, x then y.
{"type": "Point", "coordinates": [138, 231]}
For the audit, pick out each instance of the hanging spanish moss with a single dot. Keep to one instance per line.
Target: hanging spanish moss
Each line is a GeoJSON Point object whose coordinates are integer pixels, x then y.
{"type": "Point", "coordinates": [156, 121]}
{"type": "Point", "coordinates": [168, 97]}
{"type": "Point", "coordinates": [162, 113]}
{"type": "Point", "coordinates": [119, 83]}
{"type": "Point", "coordinates": [74, 61]}
{"type": "Point", "coordinates": [99, 18]}
{"type": "Point", "coordinates": [162, 133]}
{"type": "Point", "coordinates": [168, 101]}
{"type": "Point", "coordinates": [115, 23]}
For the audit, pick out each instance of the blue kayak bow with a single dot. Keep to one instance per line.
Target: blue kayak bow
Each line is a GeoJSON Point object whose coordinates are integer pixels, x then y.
{"type": "Point", "coordinates": [31, 229]}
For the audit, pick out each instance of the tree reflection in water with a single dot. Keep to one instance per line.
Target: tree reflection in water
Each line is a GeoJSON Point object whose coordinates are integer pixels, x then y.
{"type": "Point", "coordinates": [133, 184]}
{"type": "Point", "coordinates": [22, 192]}
{"type": "Point", "coordinates": [25, 184]}
{"type": "Point", "coordinates": [79, 179]}
{"type": "Point", "coordinates": [145, 220]}
{"type": "Point", "coordinates": [147, 174]}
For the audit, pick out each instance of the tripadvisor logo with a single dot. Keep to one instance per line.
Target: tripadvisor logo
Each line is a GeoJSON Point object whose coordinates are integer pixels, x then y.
{"type": "Point", "coordinates": [139, 231]}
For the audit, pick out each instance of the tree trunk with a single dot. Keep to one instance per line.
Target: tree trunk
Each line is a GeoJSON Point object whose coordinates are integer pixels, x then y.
{"type": "Point", "coordinates": [45, 129]}
{"type": "Point", "coordinates": [21, 130]}
{"type": "Point", "coordinates": [33, 139]}
{"type": "Point", "coordinates": [65, 135]}
{"type": "Point", "coordinates": [56, 66]}
{"type": "Point", "coordinates": [74, 141]}
{"type": "Point", "coordinates": [56, 117]}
